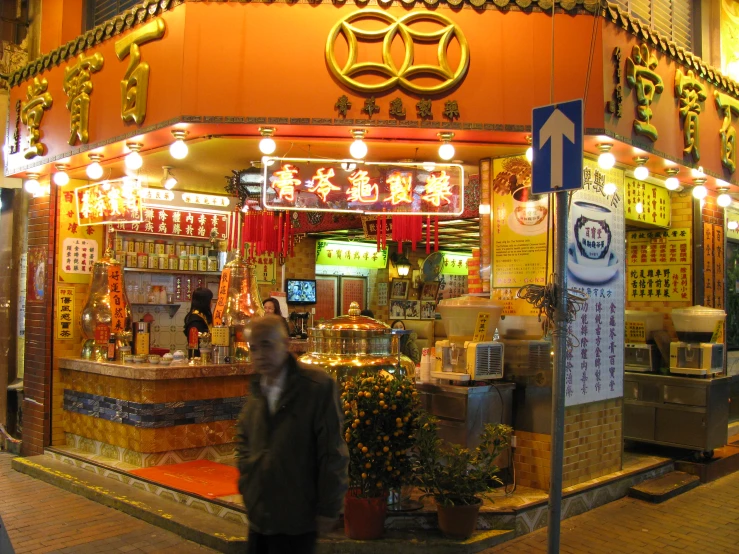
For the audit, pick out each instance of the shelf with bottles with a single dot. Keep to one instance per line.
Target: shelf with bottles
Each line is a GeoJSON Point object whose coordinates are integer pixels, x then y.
{"type": "Point", "coordinates": [171, 271]}
{"type": "Point", "coordinates": [172, 309]}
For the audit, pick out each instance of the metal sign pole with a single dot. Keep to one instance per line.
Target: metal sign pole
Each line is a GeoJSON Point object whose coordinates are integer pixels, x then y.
{"type": "Point", "coordinates": [558, 381]}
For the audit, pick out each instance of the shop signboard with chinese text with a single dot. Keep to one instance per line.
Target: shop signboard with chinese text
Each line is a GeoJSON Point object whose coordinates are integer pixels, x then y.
{"type": "Point", "coordinates": [647, 204]}
{"type": "Point", "coordinates": [180, 223]}
{"type": "Point", "coordinates": [659, 265]}
{"type": "Point", "coordinates": [454, 264]}
{"type": "Point", "coordinates": [108, 202]}
{"type": "Point", "coordinates": [595, 267]}
{"type": "Point", "coordinates": [368, 187]}
{"type": "Point", "coordinates": [65, 316]}
{"type": "Point", "coordinates": [79, 246]}
{"type": "Point", "coordinates": [350, 254]}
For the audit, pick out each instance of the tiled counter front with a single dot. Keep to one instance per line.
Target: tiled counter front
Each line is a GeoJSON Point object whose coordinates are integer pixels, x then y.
{"type": "Point", "coordinates": [147, 415]}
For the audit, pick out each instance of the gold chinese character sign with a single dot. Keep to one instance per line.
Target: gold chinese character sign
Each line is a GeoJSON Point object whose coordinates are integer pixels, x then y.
{"type": "Point", "coordinates": [728, 107]}
{"type": "Point", "coordinates": [640, 75]}
{"type": "Point", "coordinates": [402, 75]}
{"type": "Point", "coordinates": [135, 83]}
{"type": "Point", "coordinates": [38, 100]}
{"type": "Point", "coordinates": [78, 87]}
{"type": "Point", "coordinates": [691, 93]}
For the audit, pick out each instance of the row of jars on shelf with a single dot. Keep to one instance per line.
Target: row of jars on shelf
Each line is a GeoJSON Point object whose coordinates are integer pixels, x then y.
{"type": "Point", "coordinates": [183, 262]}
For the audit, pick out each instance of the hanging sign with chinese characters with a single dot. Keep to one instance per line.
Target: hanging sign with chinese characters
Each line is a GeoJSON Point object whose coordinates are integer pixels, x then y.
{"type": "Point", "coordinates": [180, 223]}
{"type": "Point", "coordinates": [108, 202]}
{"type": "Point", "coordinates": [350, 254]}
{"type": "Point", "coordinates": [363, 187]}
{"type": "Point", "coordinates": [117, 303]}
{"type": "Point", "coordinates": [659, 265]}
{"type": "Point", "coordinates": [79, 247]}
{"type": "Point", "coordinates": [222, 300]}
{"type": "Point", "coordinates": [647, 205]}
{"type": "Point", "coordinates": [65, 313]}
{"type": "Point", "coordinates": [454, 264]}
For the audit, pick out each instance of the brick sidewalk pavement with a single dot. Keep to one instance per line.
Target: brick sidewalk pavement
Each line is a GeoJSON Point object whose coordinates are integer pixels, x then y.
{"type": "Point", "coordinates": [41, 518]}
{"type": "Point", "coordinates": [704, 520]}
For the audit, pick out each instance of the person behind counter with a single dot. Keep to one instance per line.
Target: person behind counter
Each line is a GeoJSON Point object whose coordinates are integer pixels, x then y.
{"type": "Point", "coordinates": [199, 317]}
{"type": "Point", "coordinates": [272, 306]}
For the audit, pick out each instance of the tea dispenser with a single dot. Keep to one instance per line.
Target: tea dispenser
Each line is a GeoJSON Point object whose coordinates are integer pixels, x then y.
{"type": "Point", "coordinates": [106, 310]}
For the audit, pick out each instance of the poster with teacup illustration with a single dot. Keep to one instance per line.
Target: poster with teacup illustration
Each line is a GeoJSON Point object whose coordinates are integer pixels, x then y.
{"type": "Point", "coordinates": [595, 267]}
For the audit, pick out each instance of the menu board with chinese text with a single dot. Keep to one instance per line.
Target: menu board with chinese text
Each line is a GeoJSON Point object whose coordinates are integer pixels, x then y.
{"type": "Point", "coordinates": [659, 265]}
{"type": "Point", "coordinates": [350, 254]}
{"type": "Point", "coordinates": [79, 246]}
{"type": "Point", "coordinates": [595, 267]}
{"type": "Point", "coordinates": [179, 223]}
{"type": "Point", "coordinates": [108, 202]}
{"type": "Point", "coordinates": [647, 205]}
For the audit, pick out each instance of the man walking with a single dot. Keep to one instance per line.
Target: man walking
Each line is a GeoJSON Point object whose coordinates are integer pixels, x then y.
{"type": "Point", "coordinates": [290, 452]}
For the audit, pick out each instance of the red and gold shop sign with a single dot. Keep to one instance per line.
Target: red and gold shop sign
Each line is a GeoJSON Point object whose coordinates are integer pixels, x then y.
{"type": "Point", "coordinates": [65, 313]}
{"type": "Point", "coordinates": [363, 187]}
{"type": "Point", "coordinates": [108, 202]}
{"type": "Point", "coordinates": [180, 223]}
{"type": "Point", "coordinates": [117, 304]}
{"type": "Point", "coordinates": [222, 296]}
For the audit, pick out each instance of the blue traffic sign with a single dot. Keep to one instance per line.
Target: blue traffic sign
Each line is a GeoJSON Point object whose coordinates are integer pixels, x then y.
{"type": "Point", "coordinates": [557, 141]}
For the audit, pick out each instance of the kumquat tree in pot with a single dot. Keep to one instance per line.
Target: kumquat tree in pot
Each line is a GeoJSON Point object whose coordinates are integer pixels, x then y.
{"type": "Point", "coordinates": [380, 419]}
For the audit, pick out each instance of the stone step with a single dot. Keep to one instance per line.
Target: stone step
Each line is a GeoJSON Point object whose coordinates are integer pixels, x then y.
{"type": "Point", "coordinates": [665, 487]}
{"type": "Point", "coordinates": [228, 536]}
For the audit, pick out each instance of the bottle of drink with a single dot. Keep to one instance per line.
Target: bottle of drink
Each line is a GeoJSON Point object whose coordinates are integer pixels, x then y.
{"type": "Point", "coordinates": [111, 348]}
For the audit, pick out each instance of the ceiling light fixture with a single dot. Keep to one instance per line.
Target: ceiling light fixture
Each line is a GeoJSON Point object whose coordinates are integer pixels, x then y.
{"type": "Point", "coordinates": [699, 190]}
{"type": "Point", "coordinates": [358, 149]}
{"type": "Point", "coordinates": [529, 150]}
{"type": "Point", "coordinates": [134, 160]}
{"type": "Point", "coordinates": [168, 180]}
{"type": "Point", "coordinates": [32, 186]}
{"type": "Point", "coordinates": [94, 170]}
{"type": "Point", "coordinates": [606, 160]}
{"type": "Point", "coordinates": [178, 149]}
{"type": "Point", "coordinates": [60, 177]}
{"type": "Point", "coordinates": [446, 150]}
{"type": "Point", "coordinates": [267, 145]}
{"type": "Point", "coordinates": [641, 171]}
{"type": "Point", "coordinates": [609, 189]}
{"type": "Point", "coordinates": [671, 183]}
{"type": "Point", "coordinates": [723, 199]}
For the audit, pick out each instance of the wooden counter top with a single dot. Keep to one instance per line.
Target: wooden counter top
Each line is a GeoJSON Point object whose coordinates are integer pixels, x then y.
{"type": "Point", "coordinates": [154, 372]}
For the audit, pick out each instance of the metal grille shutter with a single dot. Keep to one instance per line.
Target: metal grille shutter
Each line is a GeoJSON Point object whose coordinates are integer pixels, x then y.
{"type": "Point", "coordinates": [102, 10]}
{"type": "Point", "coordinates": [672, 18]}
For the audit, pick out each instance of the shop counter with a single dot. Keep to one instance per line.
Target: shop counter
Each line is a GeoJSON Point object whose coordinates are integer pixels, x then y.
{"type": "Point", "coordinates": [143, 413]}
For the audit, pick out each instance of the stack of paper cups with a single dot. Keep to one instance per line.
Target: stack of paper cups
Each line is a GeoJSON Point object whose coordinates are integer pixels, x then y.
{"type": "Point", "coordinates": [427, 360]}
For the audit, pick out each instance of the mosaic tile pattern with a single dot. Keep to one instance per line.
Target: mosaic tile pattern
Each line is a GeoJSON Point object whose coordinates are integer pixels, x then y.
{"type": "Point", "coordinates": [233, 513]}
{"type": "Point", "coordinates": [123, 458]}
{"type": "Point", "coordinates": [155, 415]}
{"type": "Point", "coordinates": [139, 439]}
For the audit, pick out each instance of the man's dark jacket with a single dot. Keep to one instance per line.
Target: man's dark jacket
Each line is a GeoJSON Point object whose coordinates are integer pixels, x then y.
{"type": "Point", "coordinates": [293, 463]}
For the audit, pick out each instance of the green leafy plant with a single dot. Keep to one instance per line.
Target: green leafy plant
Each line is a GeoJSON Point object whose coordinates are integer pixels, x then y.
{"type": "Point", "coordinates": [453, 475]}
{"type": "Point", "coordinates": [380, 413]}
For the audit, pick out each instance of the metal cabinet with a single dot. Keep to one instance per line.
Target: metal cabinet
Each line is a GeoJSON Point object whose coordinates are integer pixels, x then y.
{"type": "Point", "coordinates": [676, 411]}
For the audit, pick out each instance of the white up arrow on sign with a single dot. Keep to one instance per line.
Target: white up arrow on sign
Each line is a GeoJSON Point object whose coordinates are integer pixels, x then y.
{"type": "Point", "coordinates": [557, 128]}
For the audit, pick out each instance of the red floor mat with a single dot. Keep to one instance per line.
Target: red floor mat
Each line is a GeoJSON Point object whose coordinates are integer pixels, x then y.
{"type": "Point", "coordinates": [202, 477]}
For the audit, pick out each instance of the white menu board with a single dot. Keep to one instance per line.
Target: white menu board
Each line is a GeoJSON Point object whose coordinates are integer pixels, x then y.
{"type": "Point", "coordinates": [595, 267]}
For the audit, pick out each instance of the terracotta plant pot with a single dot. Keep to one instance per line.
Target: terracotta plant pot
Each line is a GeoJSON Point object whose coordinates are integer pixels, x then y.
{"type": "Point", "coordinates": [458, 522]}
{"type": "Point", "coordinates": [364, 518]}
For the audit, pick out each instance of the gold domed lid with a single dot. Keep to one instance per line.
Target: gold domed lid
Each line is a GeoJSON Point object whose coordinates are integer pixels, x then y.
{"type": "Point", "coordinates": [352, 324]}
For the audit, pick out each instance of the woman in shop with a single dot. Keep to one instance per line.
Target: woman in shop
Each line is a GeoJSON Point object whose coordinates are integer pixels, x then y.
{"type": "Point", "coordinates": [272, 306]}
{"type": "Point", "coordinates": [199, 317]}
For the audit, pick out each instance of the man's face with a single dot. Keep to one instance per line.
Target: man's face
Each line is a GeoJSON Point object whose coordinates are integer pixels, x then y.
{"type": "Point", "coordinates": [268, 351]}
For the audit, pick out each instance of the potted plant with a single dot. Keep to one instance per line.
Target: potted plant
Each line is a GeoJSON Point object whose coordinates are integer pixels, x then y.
{"type": "Point", "coordinates": [380, 413]}
{"type": "Point", "coordinates": [458, 478]}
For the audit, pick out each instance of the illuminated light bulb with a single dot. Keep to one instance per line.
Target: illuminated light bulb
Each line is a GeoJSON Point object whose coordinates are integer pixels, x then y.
{"type": "Point", "coordinates": [606, 160]}
{"type": "Point", "coordinates": [733, 225]}
{"type": "Point", "coordinates": [446, 151]}
{"type": "Point", "coordinates": [178, 149]}
{"type": "Point", "coordinates": [641, 172]}
{"type": "Point", "coordinates": [671, 183]}
{"type": "Point", "coordinates": [724, 200]}
{"type": "Point", "coordinates": [170, 183]}
{"type": "Point", "coordinates": [95, 170]}
{"type": "Point", "coordinates": [530, 154]}
{"type": "Point", "coordinates": [640, 208]}
{"type": "Point", "coordinates": [267, 145]}
{"type": "Point", "coordinates": [700, 192]}
{"type": "Point", "coordinates": [134, 161]}
{"type": "Point", "coordinates": [32, 186]}
{"type": "Point", "coordinates": [358, 149]}
{"type": "Point", "coordinates": [60, 177]}
{"type": "Point", "coordinates": [609, 188]}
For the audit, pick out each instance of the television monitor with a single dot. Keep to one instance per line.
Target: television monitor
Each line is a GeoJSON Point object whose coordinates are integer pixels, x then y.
{"type": "Point", "coordinates": [301, 291]}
